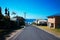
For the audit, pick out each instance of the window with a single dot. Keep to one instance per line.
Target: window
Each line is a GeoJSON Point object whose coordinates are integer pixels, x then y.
{"type": "Point", "coordinates": [52, 25]}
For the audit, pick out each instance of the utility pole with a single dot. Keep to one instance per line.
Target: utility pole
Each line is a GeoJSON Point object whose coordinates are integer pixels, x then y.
{"type": "Point", "coordinates": [25, 18]}
{"type": "Point", "coordinates": [25, 15]}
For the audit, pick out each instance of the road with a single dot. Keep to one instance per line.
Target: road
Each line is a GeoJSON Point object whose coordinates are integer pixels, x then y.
{"type": "Point", "coordinates": [33, 33]}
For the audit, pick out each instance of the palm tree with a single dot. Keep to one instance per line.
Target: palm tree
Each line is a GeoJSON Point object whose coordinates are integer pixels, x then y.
{"type": "Point", "coordinates": [13, 13]}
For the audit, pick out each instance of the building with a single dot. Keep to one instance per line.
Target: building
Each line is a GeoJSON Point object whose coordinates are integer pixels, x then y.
{"type": "Point", "coordinates": [42, 22]}
{"type": "Point", "coordinates": [54, 21]}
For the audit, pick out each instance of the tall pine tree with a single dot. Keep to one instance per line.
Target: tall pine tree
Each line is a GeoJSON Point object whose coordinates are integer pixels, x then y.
{"type": "Point", "coordinates": [6, 10]}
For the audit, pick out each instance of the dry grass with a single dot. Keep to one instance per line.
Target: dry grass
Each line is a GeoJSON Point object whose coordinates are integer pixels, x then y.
{"type": "Point", "coordinates": [55, 31]}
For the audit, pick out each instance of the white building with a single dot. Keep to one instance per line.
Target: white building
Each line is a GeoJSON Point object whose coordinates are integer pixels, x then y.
{"type": "Point", "coordinates": [41, 21]}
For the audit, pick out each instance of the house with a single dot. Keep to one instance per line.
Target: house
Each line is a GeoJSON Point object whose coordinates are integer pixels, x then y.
{"type": "Point", "coordinates": [42, 22]}
{"type": "Point", "coordinates": [54, 21]}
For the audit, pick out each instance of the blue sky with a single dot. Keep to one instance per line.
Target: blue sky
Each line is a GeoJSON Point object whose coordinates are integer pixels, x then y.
{"type": "Point", "coordinates": [34, 8]}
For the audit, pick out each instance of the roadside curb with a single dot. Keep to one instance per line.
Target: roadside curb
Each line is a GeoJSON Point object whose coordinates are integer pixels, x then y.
{"type": "Point", "coordinates": [51, 33]}
{"type": "Point", "coordinates": [48, 32]}
{"type": "Point", "coordinates": [13, 34]}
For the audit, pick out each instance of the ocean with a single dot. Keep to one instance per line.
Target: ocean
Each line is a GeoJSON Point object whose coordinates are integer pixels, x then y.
{"type": "Point", "coordinates": [29, 20]}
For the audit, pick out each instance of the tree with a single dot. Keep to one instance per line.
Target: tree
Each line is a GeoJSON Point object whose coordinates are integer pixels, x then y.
{"type": "Point", "coordinates": [1, 16]}
{"type": "Point", "coordinates": [8, 13]}
{"type": "Point", "coordinates": [0, 10]}
{"type": "Point", "coordinates": [6, 10]}
{"type": "Point", "coordinates": [13, 13]}
{"type": "Point", "coordinates": [20, 20]}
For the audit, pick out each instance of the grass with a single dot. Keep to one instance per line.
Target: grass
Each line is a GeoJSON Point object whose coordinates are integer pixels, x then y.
{"type": "Point", "coordinates": [1, 30]}
{"type": "Point", "coordinates": [55, 31]}
{"type": "Point", "coordinates": [5, 32]}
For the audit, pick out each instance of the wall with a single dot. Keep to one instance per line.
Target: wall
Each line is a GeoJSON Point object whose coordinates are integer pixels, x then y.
{"type": "Point", "coordinates": [57, 22]}
{"type": "Point", "coordinates": [51, 20]}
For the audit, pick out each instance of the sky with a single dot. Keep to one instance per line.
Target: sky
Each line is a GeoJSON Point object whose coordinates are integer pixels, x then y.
{"type": "Point", "coordinates": [35, 9]}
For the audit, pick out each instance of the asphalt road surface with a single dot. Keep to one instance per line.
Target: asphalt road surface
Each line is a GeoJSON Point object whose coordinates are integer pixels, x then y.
{"type": "Point", "coordinates": [33, 33]}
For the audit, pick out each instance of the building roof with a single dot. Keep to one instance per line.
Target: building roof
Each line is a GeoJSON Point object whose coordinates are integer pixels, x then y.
{"type": "Point", "coordinates": [55, 15]}
{"type": "Point", "coordinates": [42, 20]}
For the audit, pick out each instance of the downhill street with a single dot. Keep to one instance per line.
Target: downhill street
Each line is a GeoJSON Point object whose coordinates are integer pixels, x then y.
{"type": "Point", "coordinates": [33, 33]}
